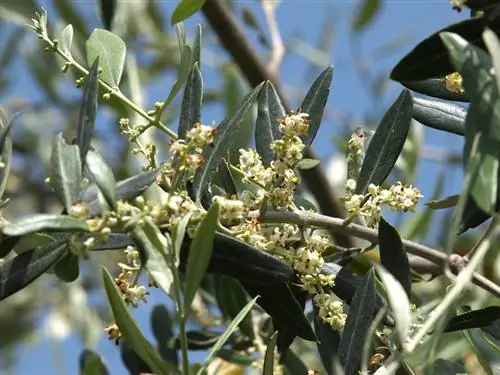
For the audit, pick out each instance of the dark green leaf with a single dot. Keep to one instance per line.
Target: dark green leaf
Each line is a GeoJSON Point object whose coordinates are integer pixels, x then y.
{"type": "Point", "coordinates": [440, 115]}
{"type": "Point", "coordinates": [361, 314]}
{"type": "Point", "coordinates": [474, 319]}
{"type": "Point", "coordinates": [191, 102]}
{"type": "Point", "coordinates": [153, 246]}
{"type": "Point", "coordinates": [393, 255]}
{"type": "Point", "coordinates": [231, 298]}
{"type": "Point", "coordinates": [280, 302]}
{"type": "Point", "coordinates": [444, 367]}
{"type": "Point", "coordinates": [115, 241]}
{"type": "Point", "coordinates": [328, 341]}
{"type": "Point", "coordinates": [125, 189]}
{"type": "Point", "coordinates": [386, 144]}
{"type": "Point", "coordinates": [315, 101]}
{"type": "Point", "coordinates": [134, 364]}
{"type": "Point", "coordinates": [162, 327]}
{"type": "Point", "coordinates": [130, 331]}
{"type": "Point", "coordinates": [179, 237]}
{"type": "Point", "coordinates": [237, 259]}
{"type": "Point", "coordinates": [111, 50]}
{"type": "Point", "coordinates": [65, 171]}
{"type": "Point", "coordinates": [44, 222]}
{"type": "Point", "coordinates": [197, 340]}
{"type": "Point", "coordinates": [212, 156]}
{"type": "Point", "coordinates": [429, 59]}
{"type": "Point", "coordinates": [197, 47]}
{"type": "Point", "coordinates": [270, 109]}
{"type": "Point", "coordinates": [185, 9]}
{"type": "Point", "coordinates": [18, 272]}
{"type": "Point", "coordinates": [7, 244]}
{"type": "Point", "coordinates": [268, 368]}
{"type": "Point", "coordinates": [483, 117]}
{"type": "Point", "coordinates": [107, 8]}
{"type": "Point", "coordinates": [67, 268]}
{"type": "Point", "coordinates": [435, 87]}
{"type": "Point", "coordinates": [6, 148]}
{"type": "Point", "coordinates": [236, 357]}
{"type": "Point", "coordinates": [102, 175]}
{"type": "Point", "coordinates": [91, 363]}
{"type": "Point", "coordinates": [293, 364]}
{"type": "Point", "coordinates": [227, 333]}
{"type": "Point", "coordinates": [226, 179]}
{"type": "Point", "coordinates": [200, 253]}
{"type": "Point", "coordinates": [88, 111]}
{"type": "Point", "coordinates": [365, 14]}
{"type": "Point", "coordinates": [447, 202]}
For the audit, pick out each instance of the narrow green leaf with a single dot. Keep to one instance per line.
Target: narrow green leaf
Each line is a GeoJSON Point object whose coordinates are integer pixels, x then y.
{"type": "Point", "coordinates": [107, 11]}
{"type": "Point", "coordinates": [294, 365]}
{"type": "Point", "coordinates": [440, 115]}
{"type": "Point", "coordinates": [153, 246]}
{"type": "Point", "coordinates": [191, 102]}
{"type": "Point", "coordinates": [133, 363]}
{"type": "Point", "coordinates": [67, 268]}
{"type": "Point", "coordinates": [493, 45]}
{"type": "Point", "coordinates": [361, 314]}
{"type": "Point", "coordinates": [91, 363]}
{"type": "Point", "coordinates": [328, 341]}
{"type": "Point", "coordinates": [65, 171]}
{"type": "Point", "coordinates": [436, 88]}
{"type": "Point", "coordinates": [132, 334]}
{"type": "Point", "coordinates": [185, 9]}
{"type": "Point", "coordinates": [474, 319]}
{"type": "Point", "coordinates": [115, 241]}
{"type": "Point", "coordinates": [483, 116]}
{"type": "Point", "coordinates": [268, 368]}
{"type": "Point", "coordinates": [44, 222]}
{"type": "Point", "coordinates": [111, 50]}
{"type": "Point", "coordinates": [386, 144]}
{"type": "Point", "coordinates": [225, 336]}
{"type": "Point", "coordinates": [447, 202]}
{"type": "Point", "coordinates": [315, 101]}
{"type": "Point", "coordinates": [179, 236]}
{"type": "Point", "coordinates": [398, 301]}
{"type": "Point", "coordinates": [270, 109]}
{"type": "Point", "coordinates": [22, 270]}
{"type": "Point", "coordinates": [88, 110]}
{"type": "Point", "coordinates": [200, 253]}
{"type": "Point", "coordinates": [182, 75]}
{"type": "Point", "coordinates": [5, 148]}
{"type": "Point", "coordinates": [234, 258]}
{"type": "Point", "coordinates": [197, 46]}
{"type": "Point", "coordinates": [393, 254]}
{"type": "Point", "coordinates": [227, 179]}
{"type": "Point", "coordinates": [102, 175]}
{"type": "Point", "coordinates": [66, 39]}
{"type": "Point", "coordinates": [365, 14]}
{"type": "Point", "coordinates": [429, 59]}
{"type": "Point", "coordinates": [223, 139]}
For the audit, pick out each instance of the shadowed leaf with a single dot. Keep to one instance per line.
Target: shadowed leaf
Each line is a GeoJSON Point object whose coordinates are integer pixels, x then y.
{"type": "Point", "coordinates": [435, 87]}
{"type": "Point", "coordinates": [386, 144]}
{"type": "Point", "coordinates": [328, 341]}
{"type": "Point", "coordinates": [107, 8]}
{"type": "Point", "coordinates": [67, 268]}
{"type": "Point", "coordinates": [102, 175]}
{"type": "Point", "coordinates": [440, 115]}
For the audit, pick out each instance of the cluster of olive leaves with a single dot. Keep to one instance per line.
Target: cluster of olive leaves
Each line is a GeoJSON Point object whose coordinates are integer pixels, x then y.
{"type": "Point", "coordinates": [244, 269]}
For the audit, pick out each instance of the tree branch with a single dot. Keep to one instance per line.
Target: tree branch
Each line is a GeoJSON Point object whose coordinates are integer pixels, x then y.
{"type": "Point", "coordinates": [336, 225]}
{"type": "Point", "coordinates": [231, 35]}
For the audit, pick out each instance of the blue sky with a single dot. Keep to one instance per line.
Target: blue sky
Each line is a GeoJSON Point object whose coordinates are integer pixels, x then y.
{"type": "Point", "coordinates": [419, 18]}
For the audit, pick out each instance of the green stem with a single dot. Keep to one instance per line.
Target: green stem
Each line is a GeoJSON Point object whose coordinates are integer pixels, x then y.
{"type": "Point", "coordinates": [181, 313]}
{"type": "Point", "coordinates": [114, 91]}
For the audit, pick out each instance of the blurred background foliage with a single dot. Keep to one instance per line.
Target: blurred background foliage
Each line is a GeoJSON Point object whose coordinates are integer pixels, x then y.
{"type": "Point", "coordinates": [50, 311]}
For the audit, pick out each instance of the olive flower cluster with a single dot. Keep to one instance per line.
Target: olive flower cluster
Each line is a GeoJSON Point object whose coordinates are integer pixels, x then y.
{"type": "Point", "coordinates": [398, 197]}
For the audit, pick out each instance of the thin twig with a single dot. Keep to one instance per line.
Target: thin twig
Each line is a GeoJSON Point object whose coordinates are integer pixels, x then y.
{"type": "Point", "coordinates": [337, 226]}
{"type": "Point", "coordinates": [277, 49]}
{"type": "Point", "coordinates": [231, 35]}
